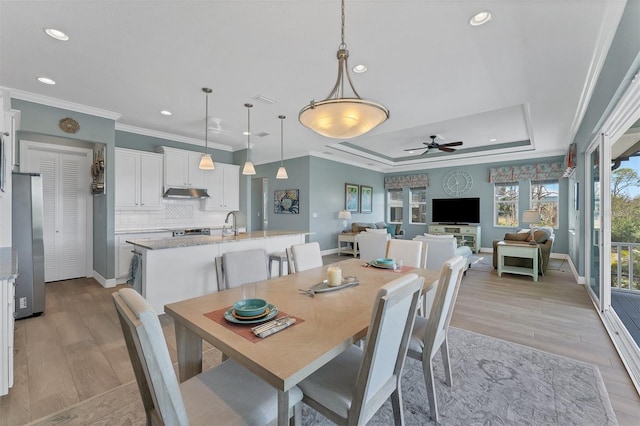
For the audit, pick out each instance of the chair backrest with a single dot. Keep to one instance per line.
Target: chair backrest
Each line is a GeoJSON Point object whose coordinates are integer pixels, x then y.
{"type": "Point", "coordinates": [149, 355]}
{"type": "Point", "coordinates": [412, 252]}
{"type": "Point", "coordinates": [440, 250]}
{"type": "Point", "coordinates": [372, 245]}
{"type": "Point", "coordinates": [306, 256]}
{"type": "Point", "coordinates": [442, 308]}
{"type": "Point", "coordinates": [243, 267]}
{"type": "Point", "coordinates": [392, 319]}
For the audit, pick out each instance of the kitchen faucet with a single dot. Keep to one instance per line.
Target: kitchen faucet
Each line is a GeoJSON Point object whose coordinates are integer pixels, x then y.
{"type": "Point", "coordinates": [235, 222]}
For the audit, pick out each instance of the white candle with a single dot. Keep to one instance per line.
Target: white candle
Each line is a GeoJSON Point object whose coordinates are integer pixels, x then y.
{"type": "Point", "coordinates": [335, 275]}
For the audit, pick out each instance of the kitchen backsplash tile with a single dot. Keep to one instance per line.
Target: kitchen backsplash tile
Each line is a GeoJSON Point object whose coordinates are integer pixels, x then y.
{"type": "Point", "coordinates": [175, 214]}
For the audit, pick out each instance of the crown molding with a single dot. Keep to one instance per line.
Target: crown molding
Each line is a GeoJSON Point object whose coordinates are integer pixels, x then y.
{"type": "Point", "coordinates": [59, 103]}
{"type": "Point", "coordinates": [169, 136]}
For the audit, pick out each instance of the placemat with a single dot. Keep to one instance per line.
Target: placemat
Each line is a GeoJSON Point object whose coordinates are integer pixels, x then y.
{"type": "Point", "coordinates": [402, 269]}
{"type": "Point", "coordinates": [244, 330]}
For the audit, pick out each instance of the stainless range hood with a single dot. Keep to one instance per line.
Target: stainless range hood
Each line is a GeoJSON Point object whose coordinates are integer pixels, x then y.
{"type": "Point", "coordinates": [186, 193]}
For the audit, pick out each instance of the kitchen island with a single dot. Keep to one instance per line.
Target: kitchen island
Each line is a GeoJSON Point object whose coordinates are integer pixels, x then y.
{"type": "Point", "coordinates": [179, 268]}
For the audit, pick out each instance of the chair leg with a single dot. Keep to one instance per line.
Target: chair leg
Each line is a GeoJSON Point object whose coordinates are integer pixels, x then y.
{"type": "Point", "coordinates": [427, 367]}
{"type": "Point", "coordinates": [396, 405]}
{"type": "Point", "coordinates": [296, 419]}
{"type": "Point", "coordinates": [446, 362]}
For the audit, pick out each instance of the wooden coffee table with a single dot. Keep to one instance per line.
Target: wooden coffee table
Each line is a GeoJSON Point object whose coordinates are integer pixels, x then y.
{"type": "Point", "coordinates": [521, 250]}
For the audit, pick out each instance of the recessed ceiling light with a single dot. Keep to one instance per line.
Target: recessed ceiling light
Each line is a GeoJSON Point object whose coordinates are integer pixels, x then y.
{"type": "Point", "coordinates": [246, 133]}
{"type": "Point", "coordinates": [411, 152]}
{"type": "Point", "coordinates": [493, 140]}
{"type": "Point", "coordinates": [480, 18]}
{"type": "Point", "coordinates": [46, 80]}
{"type": "Point", "coordinates": [57, 34]}
{"type": "Point", "coordinates": [165, 112]}
{"type": "Point", "coordinates": [359, 68]}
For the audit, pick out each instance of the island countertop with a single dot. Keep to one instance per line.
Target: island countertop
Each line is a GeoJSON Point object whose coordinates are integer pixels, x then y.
{"type": "Point", "coordinates": [199, 240]}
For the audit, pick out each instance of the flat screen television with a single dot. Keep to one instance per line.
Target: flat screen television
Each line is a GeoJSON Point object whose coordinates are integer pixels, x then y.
{"type": "Point", "coordinates": [455, 210]}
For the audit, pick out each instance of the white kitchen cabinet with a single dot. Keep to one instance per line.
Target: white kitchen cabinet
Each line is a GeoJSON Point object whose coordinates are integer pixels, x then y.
{"type": "Point", "coordinates": [181, 169]}
{"type": "Point", "coordinates": [223, 186]}
{"type": "Point", "coordinates": [124, 251]}
{"type": "Point", "coordinates": [138, 180]}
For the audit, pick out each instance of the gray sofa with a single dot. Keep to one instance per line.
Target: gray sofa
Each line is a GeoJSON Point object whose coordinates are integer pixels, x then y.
{"type": "Point", "coordinates": [395, 230]}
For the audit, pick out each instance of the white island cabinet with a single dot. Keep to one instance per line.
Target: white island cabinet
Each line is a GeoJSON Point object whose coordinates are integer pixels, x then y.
{"type": "Point", "coordinates": [8, 275]}
{"type": "Point", "coordinates": [180, 268]}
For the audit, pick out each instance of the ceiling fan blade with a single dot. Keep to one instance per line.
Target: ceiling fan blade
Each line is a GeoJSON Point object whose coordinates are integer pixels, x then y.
{"type": "Point", "coordinates": [415, 149]}
{"type": "Point", "coordinates": [445, 149]}
{"type": "Point", "coordinates": [452, 144]}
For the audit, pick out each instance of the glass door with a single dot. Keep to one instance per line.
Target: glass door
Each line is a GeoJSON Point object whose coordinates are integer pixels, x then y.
{"type": "Point", "coordinates": [594, 225]}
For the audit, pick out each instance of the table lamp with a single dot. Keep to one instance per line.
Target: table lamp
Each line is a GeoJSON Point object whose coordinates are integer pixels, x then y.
{"type": "Point", "coordinates": [343, 214]}
{"type": "Point", "coordinates": [529, 217]}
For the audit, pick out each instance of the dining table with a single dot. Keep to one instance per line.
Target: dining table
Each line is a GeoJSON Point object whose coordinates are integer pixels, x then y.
{"type": "Point", "coordinates": [327, 323]}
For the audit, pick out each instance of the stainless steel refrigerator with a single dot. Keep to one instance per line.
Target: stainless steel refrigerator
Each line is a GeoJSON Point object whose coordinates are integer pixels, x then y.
{"type": "Point", "coordinates": [26, 238]}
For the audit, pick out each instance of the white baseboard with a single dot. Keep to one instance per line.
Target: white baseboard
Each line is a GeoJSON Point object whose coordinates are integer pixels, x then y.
{"type": "Point", "coordinates": [330, 251]}
{"type": "Point", "coordinates": [104, 282]}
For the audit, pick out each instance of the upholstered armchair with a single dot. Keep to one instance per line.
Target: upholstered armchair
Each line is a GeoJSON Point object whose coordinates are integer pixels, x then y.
{"type": "Point", "coordinates": [544, 236]}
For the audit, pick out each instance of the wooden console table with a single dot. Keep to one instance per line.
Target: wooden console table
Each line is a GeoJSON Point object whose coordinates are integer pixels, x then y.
{"type": "Point", "coordinates": [518, 249]}
{"type": "Point", "coordinates": [347, 238]}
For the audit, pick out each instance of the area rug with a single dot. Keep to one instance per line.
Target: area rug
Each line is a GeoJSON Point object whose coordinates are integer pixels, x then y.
{"type": "Point", "coordinates": [499, 383]}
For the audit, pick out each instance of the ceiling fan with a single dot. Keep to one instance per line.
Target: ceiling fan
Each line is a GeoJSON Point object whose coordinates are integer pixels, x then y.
{"type": "Point", "coordinates": [446, 147]}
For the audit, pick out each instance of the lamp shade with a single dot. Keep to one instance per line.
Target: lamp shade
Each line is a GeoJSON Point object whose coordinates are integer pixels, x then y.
{"type": "Point", "coordinates": [343, 214]}
{"type": "Point", "coordinates": [248, 168]}
{"type": "Point", "coordinates": [343, 118]}
{"type": "Point", "coordinates": [530, 217]}
{"type": "Point", "coordinates": [206, 162]}
{"type": "Point", "coordinates": [282, 173]}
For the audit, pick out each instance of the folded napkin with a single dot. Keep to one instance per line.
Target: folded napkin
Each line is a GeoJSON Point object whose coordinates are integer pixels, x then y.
{"type": "Point", "coordinates": [272, 330]}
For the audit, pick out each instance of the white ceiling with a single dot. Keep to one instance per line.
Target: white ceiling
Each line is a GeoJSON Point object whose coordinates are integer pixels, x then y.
{"type": "Point", "coordinates": [524, 78]}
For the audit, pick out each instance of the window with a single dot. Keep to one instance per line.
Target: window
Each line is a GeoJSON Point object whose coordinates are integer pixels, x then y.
{"type": "Point", "coordinates": [418, 197]}
{"type": "Point", "coordinates": [394, 201]}
{"type": "Point", "coordinates": [544, 198]}
{"type": "Point", "coordinates": [505, 198]}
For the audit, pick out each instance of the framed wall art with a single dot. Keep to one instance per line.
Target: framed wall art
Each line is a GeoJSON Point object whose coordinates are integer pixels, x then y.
{"type": "Point", "coordinates": [286, 201]}
{"type": "Point", "coordinates": [351, 197]}
{"type": "Point", "coordinates": [366, 199]}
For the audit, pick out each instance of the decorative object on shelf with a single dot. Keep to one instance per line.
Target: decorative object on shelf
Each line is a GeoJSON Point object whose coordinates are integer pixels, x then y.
{"type": "Point", "coordinates": [341, 117]}
{"type": "Point", "coordinates": [98, 172]}
{"type": "Point", "coordinates": [69, 125]}
{"type": "Point", "coordinates": [457, 182]}
{"type": "Point", "coordinates": [351, 197]}
{"type": "Point", "coordinates": [366, 199]}
{"type": "Point", "coordinates": [344, 214]}
{"type": "Point", "coordinates": [206, 162]}
{"type": "Point", "coordinates": [530, 217]}
{"type": "Point", "coordinates": [286, 201]}
{"type": "Point", "coordinates": [248, 168]}
{"type": "Point", "coordinates": [282, 172]}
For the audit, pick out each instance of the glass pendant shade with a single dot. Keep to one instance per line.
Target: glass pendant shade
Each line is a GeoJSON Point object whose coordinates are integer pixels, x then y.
{"type": "Point", "coordinates": [248, 169]}
{"type": "Point", "coordinates": [206, 162]}
{"type": "Point", "coordinates": [343, 118]}
{"type": "Point", "coordinates": [282, 173]}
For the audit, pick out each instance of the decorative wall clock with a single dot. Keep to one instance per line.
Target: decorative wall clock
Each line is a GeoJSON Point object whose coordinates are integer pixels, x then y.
{"type": "Point", "coordinates": [457, 183]}
{"type": "Point", "coordinates": [69, 125]}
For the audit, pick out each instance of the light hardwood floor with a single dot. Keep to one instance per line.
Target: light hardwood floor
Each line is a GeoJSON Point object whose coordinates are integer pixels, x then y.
{"type": "Point", "coordinates": [72, 366]}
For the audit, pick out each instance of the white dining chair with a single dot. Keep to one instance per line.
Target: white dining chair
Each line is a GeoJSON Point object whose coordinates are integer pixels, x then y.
{"type": "Point", "coordinates": [241, 267]}
{"type": "Point", "coordinates": [372, 245]}
{"type": "Point", "coordinates": [412, 252]}
{"type": "Point", "coordinates": [305, 256]}
{"type": "Point", "coordinates": [351, 388]}
{"type": "Point", "coordinates": [430, 334]}
{"type": "Point", "coordinates": [227, 392]}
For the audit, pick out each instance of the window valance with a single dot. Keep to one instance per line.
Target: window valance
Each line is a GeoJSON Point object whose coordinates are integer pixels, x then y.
{"type": "Point", "coordinates": [411, 181]}
{"type": "Point", "coordinates": [538, 171]}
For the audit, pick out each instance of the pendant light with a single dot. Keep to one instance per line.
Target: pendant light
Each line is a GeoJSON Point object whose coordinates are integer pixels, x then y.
{"type": "Point", "coordinates": [206, 162]}
{"type": "Point", "coordinates": [248, 168]}
{"type": "Point", "coordinates": [340, 117]}
{"type": "Point", "coordinates": [282, 172]}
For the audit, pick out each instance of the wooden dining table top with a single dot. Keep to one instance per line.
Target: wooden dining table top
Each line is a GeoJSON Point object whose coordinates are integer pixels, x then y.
{"type": "Point", "coordinates": [332, 321]}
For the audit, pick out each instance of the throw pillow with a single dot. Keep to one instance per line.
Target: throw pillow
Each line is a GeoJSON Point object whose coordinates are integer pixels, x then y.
{"type": "Point", "coordinates": [362, 228]}
{"type": "Point", "coordinates": [540, 236]}
{"type": "Point", "coordinates": [391, 229]}
{"type": "Point", "coordinates": [381, 225]}
{"type": "Point", "coordinates": [520, 236]}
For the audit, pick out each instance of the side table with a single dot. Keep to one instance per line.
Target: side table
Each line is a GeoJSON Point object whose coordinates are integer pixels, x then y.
{"type": "Point", "coordinates": [349, 239]}
{"type": "Point", "coordinates": [518, 249]}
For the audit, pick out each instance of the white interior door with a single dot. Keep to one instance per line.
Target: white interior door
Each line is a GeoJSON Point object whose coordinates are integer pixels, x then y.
{"type": "Point", "coordinates": [66, 183]}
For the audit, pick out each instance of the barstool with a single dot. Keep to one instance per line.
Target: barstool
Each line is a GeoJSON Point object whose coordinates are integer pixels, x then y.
{"type": "Point", "coordinates": [281, 258]}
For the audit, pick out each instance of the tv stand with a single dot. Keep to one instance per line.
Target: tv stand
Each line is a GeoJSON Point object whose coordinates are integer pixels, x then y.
{"type": "Point", "coordinates": [467, 235]}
